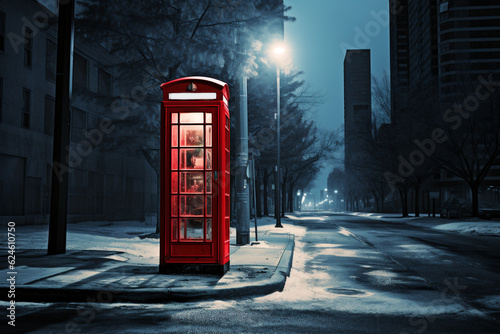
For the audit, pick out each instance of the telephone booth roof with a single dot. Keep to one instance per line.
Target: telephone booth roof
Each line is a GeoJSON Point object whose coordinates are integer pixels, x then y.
{"type": "Point", "coordinates": [203, 84]}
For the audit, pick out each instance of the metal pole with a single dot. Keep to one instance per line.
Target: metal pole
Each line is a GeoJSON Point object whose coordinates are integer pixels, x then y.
{"type": "Point", "coordinates": [278, 181]}
{"type": "Point", "coordinates": [242, 193]}
{"type": "Point", "coordinates": [59, 190]}
{"type": "Point", "coordinates": [254, 196]}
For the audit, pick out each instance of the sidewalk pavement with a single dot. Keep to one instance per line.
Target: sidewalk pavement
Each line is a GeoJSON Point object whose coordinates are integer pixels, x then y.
{"type": "Point", "coordinates": [112, 275]}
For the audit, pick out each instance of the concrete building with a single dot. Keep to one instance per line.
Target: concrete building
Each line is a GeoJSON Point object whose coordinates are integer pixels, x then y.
{"type": "Point", "coordinates": [357, 104]}
{"type": "Point", "coordinates": [423, 43]}
{"type": "Point", "coordinates": [469, 43]}
{"type": "Point", "coordinates": [469, 49]}
{"type": "Point", "coordinates": [442, 47]}
{"type": "Point", "coordinates": [357, 120]}
{"type": "Point", "coordinates": [413, 52]}
{"type": "Point", "coordinates": [399, 56]}
{"type": "Point", "coordinates": [104, 185]}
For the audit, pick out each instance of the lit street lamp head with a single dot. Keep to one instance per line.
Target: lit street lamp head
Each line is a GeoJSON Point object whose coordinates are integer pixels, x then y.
{"type": "Point", "coordinates": [279, 50]}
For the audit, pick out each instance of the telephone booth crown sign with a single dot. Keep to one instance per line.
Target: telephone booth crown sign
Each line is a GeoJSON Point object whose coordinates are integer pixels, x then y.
{"type": "Point", "coordinates": [195, 195]}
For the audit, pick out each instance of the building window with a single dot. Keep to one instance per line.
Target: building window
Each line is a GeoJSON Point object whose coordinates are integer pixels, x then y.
{"type": "Point", "coordinates": [2, 31]}
{"type": "Point", "coordinates": [26, 108]}
{"type": "Point", "coordinates": [28, 47]}
{"type": "Point", "coordinates": [50, 60]}
{"type": "Point", "coordinates": [80, 72]}
{"type": "Point", "coordinates": [78, 124]}
{"type": "Point", "coordinates": [105, 82]}
{"type": "Point", "coordinates": [50, 105]}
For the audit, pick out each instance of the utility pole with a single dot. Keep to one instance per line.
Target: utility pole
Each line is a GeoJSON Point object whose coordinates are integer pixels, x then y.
{"type": "Point", "coordinates": [59, 190]}
{"type": "Point", "coordinates": [242, 192]}
{"type": "Point", "coordinates": [241, 187]}
{"type": "Point", "coordinates": [278, 167]}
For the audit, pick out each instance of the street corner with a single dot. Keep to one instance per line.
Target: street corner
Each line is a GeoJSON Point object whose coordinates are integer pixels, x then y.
{"type": "Point", "coordinates": [266, 273]}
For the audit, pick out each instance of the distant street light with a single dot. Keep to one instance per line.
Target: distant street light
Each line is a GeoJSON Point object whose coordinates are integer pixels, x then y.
{"type": "Point", "coordinates": [278, 51]}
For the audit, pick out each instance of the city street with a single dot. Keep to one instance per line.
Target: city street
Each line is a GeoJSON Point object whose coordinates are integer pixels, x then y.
{"type": "Point", "coordinates": [350, 275]}
{"type": "Point", "coordinates": [229, 166]}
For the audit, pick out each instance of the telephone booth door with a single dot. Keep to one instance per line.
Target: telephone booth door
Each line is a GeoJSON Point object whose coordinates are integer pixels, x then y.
{"type": "Point", "coordinates": [195, 179]}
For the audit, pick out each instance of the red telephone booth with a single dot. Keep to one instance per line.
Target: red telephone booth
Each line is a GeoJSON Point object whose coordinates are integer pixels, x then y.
{"type": "Point", "coordinates": [195, 178]}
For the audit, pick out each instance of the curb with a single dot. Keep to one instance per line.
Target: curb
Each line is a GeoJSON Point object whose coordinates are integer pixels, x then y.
{"type": "Point", "coordinates": [276, 283]}
{"type": "Point", "coordinates": [259, 288]}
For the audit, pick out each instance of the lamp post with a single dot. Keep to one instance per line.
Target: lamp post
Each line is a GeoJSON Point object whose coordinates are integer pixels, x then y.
{"type": "Point", "coordinates": [336, 203]}
{"type": "Point", "coordinates": [278, 51]}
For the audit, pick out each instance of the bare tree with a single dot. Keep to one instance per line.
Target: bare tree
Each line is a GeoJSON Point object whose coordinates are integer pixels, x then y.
{"type": "Point", "coordinates": [159, 40]}
{"type": "Point", "coordinates": [471, 144]}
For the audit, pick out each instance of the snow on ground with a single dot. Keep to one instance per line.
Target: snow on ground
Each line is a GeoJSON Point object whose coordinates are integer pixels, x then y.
{"type": "Point", "coordinates": [475, 226]}
{"type": "Point", "coordinates": [100, 235]}
{"type": "Point", "coordinates": [493, 302]}
{"type": "Point", "coordinates": [307, 289]}
{"type": "Point", "coordinates": [309, 286]}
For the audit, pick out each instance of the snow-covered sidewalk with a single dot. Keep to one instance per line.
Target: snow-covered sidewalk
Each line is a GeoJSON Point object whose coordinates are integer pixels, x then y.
{"type": "Point", "coordinates": [475, 226]}
{"type": "Point", "coordinates": [115, 259]}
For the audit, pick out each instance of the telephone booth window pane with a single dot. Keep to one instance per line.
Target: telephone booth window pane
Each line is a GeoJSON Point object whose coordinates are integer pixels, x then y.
{"type": "Point", "coordinates": [209, 229]}
{"type": "Point", "coordinates": [175, 141]}
{"type": "Point", "coordinates": [208, 135]}
{"type": "Point", "coordinates": [175, 229]}
{"type": "Point", "coordinates": [175, 118]}
{"type": "Point", "coordinates": [193, 117]}
{"type": "Point", "coordinates": [228, 140]}
{"type": "Point", "coordinates": [175, 206]}
{"type": "Point", "coordinates": [208, 164]}
{"type": "Point", "coordinates": [175, 162]}
{"type": "Point", "coordinates": [183, 229]}
{"type": "Point", "coordinates": [192, 228]}
{"type": "Point", "coordinates": [192, 205]}
{"type": "Point", "coordinates": [209, 183]}
{"type": "Point", "coordinates": [209, 206]}
{"type": "Point", "coordinates": [192, 135]}
{"type": "Point", "coordinates": [208, 118]}
{"type": "Point", "coordinates": [192, 158]}
{"type": "Point", "coordinates": [175, 182]}
{"type": "Point", "coordinates": [228, 125]}
{"type": "Point", "coordinates": [192, 182]}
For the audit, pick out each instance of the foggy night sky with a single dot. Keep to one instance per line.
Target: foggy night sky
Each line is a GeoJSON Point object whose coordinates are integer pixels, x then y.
{"type": "Point", "coordinates": [315, 42]}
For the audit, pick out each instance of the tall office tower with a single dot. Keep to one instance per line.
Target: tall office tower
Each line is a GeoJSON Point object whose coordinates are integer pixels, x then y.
{"type": "Point", "coordinates": [357, 105]}
{"type": "Point", "coordinates": [414, 52]}
{"type": "Point", "coordinates": [469, 68]}
{"type": "Point", "coordinates": [400, 58]}
{"type": "Point", "coordinates": [469, 45]}
{"type": "Point", "coordinates": [423, 44]}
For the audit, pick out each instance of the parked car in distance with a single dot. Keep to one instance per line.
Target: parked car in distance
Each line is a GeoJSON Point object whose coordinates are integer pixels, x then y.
{"type": "Point", "coordinates": [456, 208]}
{"type": "Point", "coordinates": [488, 210]}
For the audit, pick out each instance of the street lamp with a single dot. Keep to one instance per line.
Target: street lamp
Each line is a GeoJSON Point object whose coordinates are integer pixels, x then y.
{"type": "Point", "coordinates": [336, 205]}
{"type": "Point", "coordinates": [278, 51]}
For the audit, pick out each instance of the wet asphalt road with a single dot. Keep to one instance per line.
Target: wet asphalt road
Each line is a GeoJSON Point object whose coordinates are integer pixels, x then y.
{"type": "Point", "coordinates": [349, 275]}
